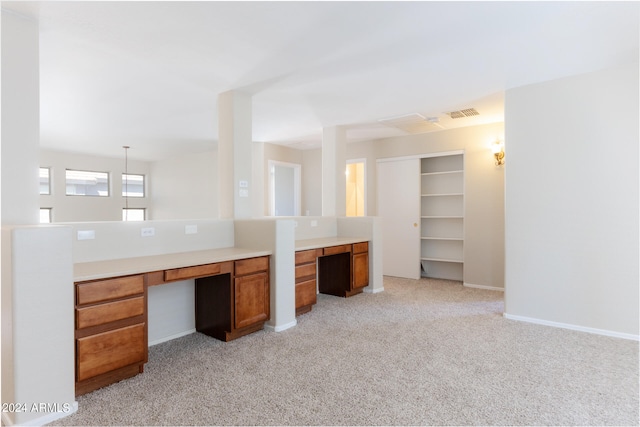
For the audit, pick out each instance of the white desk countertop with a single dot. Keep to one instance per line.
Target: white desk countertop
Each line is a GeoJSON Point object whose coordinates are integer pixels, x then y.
{"type": "Point", "coordinates": [324, 242]}
{"type": "Point", "coordinates": [145, 264]}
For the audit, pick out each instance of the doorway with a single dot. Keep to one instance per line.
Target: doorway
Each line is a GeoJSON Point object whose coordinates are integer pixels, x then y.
{"type": "Point", "coordinates": [284, 188]}
{"type": "Point", "coordinates": [356, 188]}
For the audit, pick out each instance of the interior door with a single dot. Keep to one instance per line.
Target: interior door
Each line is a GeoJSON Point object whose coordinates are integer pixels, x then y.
{"type": "Point", "coordinates": [399, 208]}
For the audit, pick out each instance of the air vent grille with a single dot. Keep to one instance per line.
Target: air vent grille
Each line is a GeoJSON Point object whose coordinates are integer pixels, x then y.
{"type": "Point", "coordinates": [413, 123]}
{"type": "Point", "coordinates": [467, 112]}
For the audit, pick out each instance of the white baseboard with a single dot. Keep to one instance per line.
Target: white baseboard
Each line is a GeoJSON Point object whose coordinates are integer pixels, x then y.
{"type": "Point", "coordinates": [573, 327]}
{"type": "Point", "coordinates": [488, 288]}
{"type": "Point", "coordinates": [49, 417]}
{"type": "Point", "coordinates": [172, 337]}
{"type": "Point", "coordinates": [373, 291]}
{"type": "Point", "coordinates": [281, 327]}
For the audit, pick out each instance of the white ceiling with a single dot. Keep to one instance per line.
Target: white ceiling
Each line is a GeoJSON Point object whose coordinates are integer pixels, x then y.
{"type": "Point", "coordinates": [148, 74]}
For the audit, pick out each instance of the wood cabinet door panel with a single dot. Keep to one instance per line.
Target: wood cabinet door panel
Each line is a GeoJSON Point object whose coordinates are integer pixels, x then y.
{"type": "Point", "coordinates": [251, 265]}
{"type": "Point", "coordinates": [101, 353]}
{"type": "Point", "coordinates": [332, 250]}
{"type": "Point", "coordinates": [109, 312]}
{"type": "Point", "coordinates": [251, 299]}
{"type": "Point", "coordinates": [360, 270]}
{"type": "Point", "coordinates": [306, 293]}
{"type": "Point", "coordinates": [104, 290]}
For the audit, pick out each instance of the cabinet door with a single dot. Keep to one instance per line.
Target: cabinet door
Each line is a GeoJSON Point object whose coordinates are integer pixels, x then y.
{"type": "Point", "coordinates": [360, 270]}
{"type": "Point", "coordinates": [399, 208]}
{"type": "Point", "coordinates": [251, 294]}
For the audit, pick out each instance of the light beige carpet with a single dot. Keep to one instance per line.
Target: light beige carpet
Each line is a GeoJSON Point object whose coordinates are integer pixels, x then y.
{"type": "Point", "coordinates": [424, 352]}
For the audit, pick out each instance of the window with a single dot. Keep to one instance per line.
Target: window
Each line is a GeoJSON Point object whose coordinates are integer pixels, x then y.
{"type": "Point", "coordinates": [133, 214]}
{"type": "Point", "coordinates": [45, 181]}
{"type": "Point", "coordinates": [45, 215]}
{"type": "Point", "coordinates": [86, 183]}
{"type": "Point", "coordinates": [132, 185]}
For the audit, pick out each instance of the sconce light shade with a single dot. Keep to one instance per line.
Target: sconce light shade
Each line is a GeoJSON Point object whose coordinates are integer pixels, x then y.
{"type": "Point", "coordinates": [498, 152]}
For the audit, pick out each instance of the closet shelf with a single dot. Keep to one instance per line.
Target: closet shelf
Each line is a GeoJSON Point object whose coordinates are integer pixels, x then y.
{"type": "Point", "coordinates": [442, 173]}
{"type": "Point", "coordinates": [441, 194]}
{"type": "Point", "coordinates": [455, 239]}
{"type": "Point", "coordinates": [442, 216]}
{"type": "Point", "coordinates": [441, 260]}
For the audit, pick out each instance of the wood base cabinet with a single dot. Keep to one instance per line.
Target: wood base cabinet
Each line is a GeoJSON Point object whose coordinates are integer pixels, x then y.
{"type": "Point", "coordinates": [305, 279]}
{"type": "Point", "coordinates": [111, 331]}
{"type": "Point", "coordinates": [230, 307]}
{"type": "Point", "coordinates": [344, 270]}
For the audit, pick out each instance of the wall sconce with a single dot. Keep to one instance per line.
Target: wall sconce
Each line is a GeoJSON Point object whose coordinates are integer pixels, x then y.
{"type": "Point", "coordinates": [498, 152]}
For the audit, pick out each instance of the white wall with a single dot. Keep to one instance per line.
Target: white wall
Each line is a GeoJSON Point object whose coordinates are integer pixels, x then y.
{"type": "Point", "coordinates": [572, 201]}
{"type": "Point", "coordinates": [91, 208]}
{"type": "Point", "coordinates": [185, 187]}
{"type": "Point", "coordinates": [20, 119]}
{"type": "Point", "coordinates": [312, 182]}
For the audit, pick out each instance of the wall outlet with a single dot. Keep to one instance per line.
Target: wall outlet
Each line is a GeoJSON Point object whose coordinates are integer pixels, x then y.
{"type": "Point", "coordinates": [190, 229]}
{"type": "Point", "coordinates": [86, 234]}
{"type": "Point", "coordinates": [314, 223]}
{"type": "Point", "coordinates": [147, 232]}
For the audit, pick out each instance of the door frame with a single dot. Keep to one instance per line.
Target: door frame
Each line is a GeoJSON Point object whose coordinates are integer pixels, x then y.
{"type": "Point", "coordinates": [297, 186]}
{"type": "Point", "coordinates": [363, 161]}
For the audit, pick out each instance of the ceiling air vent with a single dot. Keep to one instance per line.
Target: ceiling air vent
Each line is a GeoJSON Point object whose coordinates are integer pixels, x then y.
{"type": "Point", "coordinates": [413, 123]}
{"type": "Point", "coordinates": [467, 112]}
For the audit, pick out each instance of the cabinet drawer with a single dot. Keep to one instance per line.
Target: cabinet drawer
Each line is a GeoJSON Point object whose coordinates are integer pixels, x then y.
{"type": "Point", "coordinates": [304, 257]}
{"type": "Point", "coordinates": [306, 270]}
{"type": "Point", "coordinates": [332, 250]}
{"type": "Point", "coordinates": [104, 290]}
{"type": "Point", "coordinates": [359, 248]}
{"type": "Point", "coordinates": [306, 293]}
{"type": "Point", "coordinates": [197, 271]}
{"type": "Point", "coordinates": [101, 353]}
{"type": "Point", "coordinates": [251, 265]}
{"type": "Point", "coordinates": [109, 312]}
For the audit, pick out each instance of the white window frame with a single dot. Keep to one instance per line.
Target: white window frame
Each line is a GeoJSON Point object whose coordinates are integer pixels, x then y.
{"type": "Point", "coordinates": [66, 180]}
{"type": "Point", "coordinates": [126, 193]}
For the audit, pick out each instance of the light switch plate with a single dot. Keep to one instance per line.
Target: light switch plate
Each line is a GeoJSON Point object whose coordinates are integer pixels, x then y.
{"type": "Point", "coordinates": [147, 232]}
{"type": "Point", "coordinates": [86, 234]}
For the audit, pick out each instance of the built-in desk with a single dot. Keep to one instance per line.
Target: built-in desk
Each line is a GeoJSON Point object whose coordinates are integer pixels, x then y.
{"type": "Point", "coordinates": [232, 300]}
{"type": "Point", "coordinates": [333, 265]}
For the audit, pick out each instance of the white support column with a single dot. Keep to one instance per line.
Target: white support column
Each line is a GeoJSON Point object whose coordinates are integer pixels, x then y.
{"type": "Point", "coordinates": [20, 119]}
{"type": "Point", "coordinates": [334, 165]}
{"type": "Point", "coordinates": [38, 369]}
{"type": "Point", "coordinates": [235, 155]}
{"type": "Point", "coordinates": [259, 184]}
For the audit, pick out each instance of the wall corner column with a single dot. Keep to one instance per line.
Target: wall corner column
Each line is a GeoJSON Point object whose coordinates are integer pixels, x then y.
{"type": "Point", "coordinates": [333, 171]}
{"type": "Point", "coordinates": [20, 150]}
{"type": "Point", "coordinates": [235, 154]}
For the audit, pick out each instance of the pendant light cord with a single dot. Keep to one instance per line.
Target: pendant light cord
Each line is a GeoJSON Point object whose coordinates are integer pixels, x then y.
{"type": "Point", "coordinates": [126, 182]}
